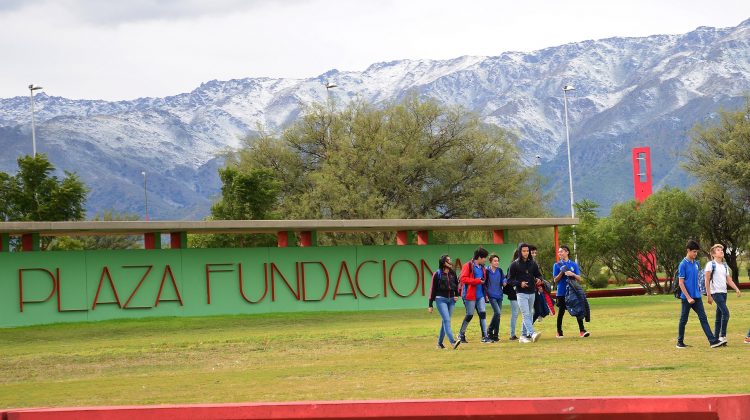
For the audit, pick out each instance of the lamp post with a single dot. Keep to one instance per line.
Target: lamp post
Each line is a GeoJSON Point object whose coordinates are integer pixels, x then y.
{"type": "Point", "coordinates": [145, 194]}
{"type": "Point", "coordinates": [32, 88]}
{"type": "Point", "coordinates": [566, 89]}
{"type": "Point", "coordinates": [329, 86]}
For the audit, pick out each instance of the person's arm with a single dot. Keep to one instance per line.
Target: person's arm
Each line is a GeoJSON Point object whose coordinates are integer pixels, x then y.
{"type": "Point", "coordinates": [730, 282]}
{"type": "Point", "coordinates": [575, 273]}
{"type": "Point", "coordinates": [708, 274]}
{"type": "Point", "coordinates": [556, 272]}
{"type": "Point", "coordinates": [433, 290]}
{"type": "Point", "coordinates": [685, 292]}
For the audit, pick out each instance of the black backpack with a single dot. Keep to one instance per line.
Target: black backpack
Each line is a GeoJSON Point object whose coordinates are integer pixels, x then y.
{"type": "Point", "coordinates": [676, 291]}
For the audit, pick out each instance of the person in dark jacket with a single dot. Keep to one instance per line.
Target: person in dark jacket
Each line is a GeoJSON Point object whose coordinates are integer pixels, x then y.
{"type": "Point", "coordinates": [474, 293]}
{"type": "Point", "coordinates": [524, 275]}
{"type": "Point", "coordinates": [444, 292]}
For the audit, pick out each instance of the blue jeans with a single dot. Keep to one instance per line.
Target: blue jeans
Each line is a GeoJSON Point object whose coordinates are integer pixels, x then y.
{"type": "Point", "coordinates": [445, 306]}
{"type": "Point", "coordinates": [514, 309]}
{"type": "Point", "coordinates": [471, 305]}
{"type": "Point", "coordinates": [497, 307]}
{"type": "Point", "coordinates": [526, 303]}
{"type": "Point", "coordinates": [697, 306]}
{"type": "Point", "coordinates": [722, 314]}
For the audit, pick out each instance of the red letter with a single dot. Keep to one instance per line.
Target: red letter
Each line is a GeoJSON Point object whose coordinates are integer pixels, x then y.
{"type": "Point", "coordinates": [59, 297]}
{"type": "Point", "coordinates": [304, 287]}
{"type": "Point", "coordinates": [390, 278]}
{"type": "Point", "coordinates": [137, 286]}
{"type": "Point", "coordinates": [343, 268]}
{"type": "Point", "coordinates": [168, 269]}
{"type": "Point", "coordinates": [265, 285]}
{"type": "Point", "coordinates": [208, 278]}
{"type": "Point", "coordinates": [273, 282]}
{"type": "Point", "coordinates": [99, 289]}
{"type": "Point", "coordinates": [20, 286]}
{"type": "Point", "coordinates": [356, 279]}
{"type": "Point", "coordinates": [424, 278]}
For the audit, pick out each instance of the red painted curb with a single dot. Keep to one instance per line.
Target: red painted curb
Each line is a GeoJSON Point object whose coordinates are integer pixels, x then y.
{"type": "Point", "coordinates": [684, 407]}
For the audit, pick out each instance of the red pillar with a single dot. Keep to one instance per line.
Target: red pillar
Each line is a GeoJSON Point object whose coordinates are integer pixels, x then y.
{"type": "Point", "coordinates": [178, 240]}
{"type": "Point", "coordinates": [30, 242]}
{"type": "Point", "coordinates": [402, 237]}
{"type": "Point", "coordinates": [282, 239]}
{"type": "Point", "coordinates": [642, 185]}
{"type": "Point", "coordinates": [308, 238]}
{"type": "Point", "coordinates": [152, 240]}
{"type": "Point", "coordinates": [423, 237]}
{"type": "Point", "coordinates": [498, 236]}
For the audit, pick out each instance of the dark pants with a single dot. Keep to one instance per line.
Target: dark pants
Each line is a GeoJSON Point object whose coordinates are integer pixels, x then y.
{"type": "Point", "coordinates": [722, 314]}
{"type": "Point", "coordinates": [697, 306]}
{"type": "Point", "coordinates": [561, 311]}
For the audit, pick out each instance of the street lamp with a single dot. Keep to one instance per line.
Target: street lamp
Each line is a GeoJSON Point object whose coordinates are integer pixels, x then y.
{"type": "Point", "coordinates": [329, 86]}
{"type": "Point", "coordinates": [32, 88]}
{"type": "Point", "coordinates": [566, 89]}
{"type": "Point", "coordinates": [145, 194]}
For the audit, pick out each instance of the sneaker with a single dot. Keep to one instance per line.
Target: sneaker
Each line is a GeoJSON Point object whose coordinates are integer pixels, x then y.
{"type": "Point", "coordinates": [585, 334]}
{"type": "Point", "coordinates": [440, 346]}
{"type": "Point", "coordinates": [535, 336]}
{"type": "Point", "coordinates": [682, 346]}
{"type": "Point", "coordinates": [524, 340]}
{"type": "Point", "coordinates": [559, 336]}
{"type": "Point", "coordinates": [514, 338]}
{"type": "Point", "coordinates": [717, 343]}
{"type": "Point", "coordinates": [747, 340]}
{"type": "Point", "coordinates": [462, 338]}
{"type": "Point", "coordinates": [495, 339]}
{"type": "Point", "coordinates": [456, 344]}
{"type": "Point", "coordinates": [723, 338]}
{"type": "Point", "coordinates": [486, 340]}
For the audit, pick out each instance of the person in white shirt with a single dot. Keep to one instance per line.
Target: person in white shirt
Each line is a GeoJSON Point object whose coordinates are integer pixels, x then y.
{"type": "Point", "coordinates": [717, 278]}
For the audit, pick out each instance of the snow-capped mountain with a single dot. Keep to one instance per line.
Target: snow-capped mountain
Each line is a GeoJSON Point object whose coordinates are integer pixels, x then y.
{"type": "Point", "coordinates": [629, 92]}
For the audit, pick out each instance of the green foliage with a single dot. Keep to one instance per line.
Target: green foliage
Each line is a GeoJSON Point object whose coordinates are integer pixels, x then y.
{"type": "Point", "coordinates": [719, 156]}
{"type": "Point", "coordinates": [99, 241]}
{"type": "Point", "coordinates": [33, 194]}
{"type": "Point", "coordinates": [587, 247]}
{"type": "Point", "coordinates": [661, 224]}
{"type": "Point", "coordinates": [413, 159]}
{"type": "Point", "coordinates": [245, 195]}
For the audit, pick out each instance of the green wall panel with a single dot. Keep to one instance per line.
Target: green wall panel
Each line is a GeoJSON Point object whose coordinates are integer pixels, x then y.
{"type": "Point", "coordinates": [75, 286]}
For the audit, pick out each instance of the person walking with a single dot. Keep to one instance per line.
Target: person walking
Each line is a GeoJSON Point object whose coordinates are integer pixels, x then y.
{"type": "Point", "coordinates": [563, 272]}
{"type": "Point", "coordinates": [510, 292]}
{"type": "Point", "coordinates": [524, 275]}
{"type": "Point", "coordinates": [690, 297]}
{"type": "Point", "coordinates": [444, 292]}
{"type": "Point", "coordinates": [474, 292]}
{"type": "Point", "coordinates": [495, 282]}
{"type": "Point", "coordinates": [717, 278]}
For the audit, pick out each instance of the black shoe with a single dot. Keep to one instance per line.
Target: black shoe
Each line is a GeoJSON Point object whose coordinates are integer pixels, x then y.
{"type": "Point", "coordinates": [682, 346]}
{"type": "Point", "coordinates": [513, 338]}
{"type": "Point", "coordinates": [440, 346]}
{"type": "Point", "coordinates": [495, 338]}
{"type": "Point", "coordinates": [717, 343]}
{"type": "Point", "coordinates": [456, 344]}
{"type": "Point", "coordinates": [486, 340]}
{"type": "Point", "coordinates": [462, 339]}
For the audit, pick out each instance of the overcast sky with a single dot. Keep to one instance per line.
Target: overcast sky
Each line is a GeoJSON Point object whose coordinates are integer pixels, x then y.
{"type": "Point", "coordinates": [124, 49]}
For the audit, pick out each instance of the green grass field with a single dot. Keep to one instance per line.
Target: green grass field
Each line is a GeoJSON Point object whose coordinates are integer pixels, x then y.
{"type": "Point", "coordinates": [366, 355]}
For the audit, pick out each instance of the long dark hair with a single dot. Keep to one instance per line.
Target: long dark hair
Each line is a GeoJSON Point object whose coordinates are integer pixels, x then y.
{"type": "Point", "coordinates": [441, 262]}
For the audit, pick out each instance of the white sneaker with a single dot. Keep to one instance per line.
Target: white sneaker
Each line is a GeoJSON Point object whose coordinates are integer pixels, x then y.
{"type": "Point", "coordinates": [523, 339]}
{"type": "Point", "coordinates": [722, 339]}
{"type": "Point", "coordinates": [535, 336]}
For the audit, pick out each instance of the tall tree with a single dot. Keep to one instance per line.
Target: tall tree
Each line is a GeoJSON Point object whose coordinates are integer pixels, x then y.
{"type": "Point", "coordinates": [34, 194]}
{"type": "Point", "coordinates": [412, 159]}
{"type": "Point", "coordinates": [719, 156]}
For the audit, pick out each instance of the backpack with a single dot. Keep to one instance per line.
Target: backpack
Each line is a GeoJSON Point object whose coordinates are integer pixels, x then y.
{"type": "Point", "coordinates": [676, 291]}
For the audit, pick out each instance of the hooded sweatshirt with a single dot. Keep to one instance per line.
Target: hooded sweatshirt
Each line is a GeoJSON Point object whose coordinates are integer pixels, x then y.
{"type": "Point", "coordinates": [522, 270]}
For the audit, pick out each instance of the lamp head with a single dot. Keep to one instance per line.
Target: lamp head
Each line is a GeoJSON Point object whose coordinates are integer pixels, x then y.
{"type": "Point", "coordinates": [568, 88]}
{"type": "Point", "coordinates": [32, 87]}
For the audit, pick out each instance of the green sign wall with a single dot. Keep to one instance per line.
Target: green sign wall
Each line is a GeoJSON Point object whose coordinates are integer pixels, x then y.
{"type": "Point", "coordinates": [74, 286]}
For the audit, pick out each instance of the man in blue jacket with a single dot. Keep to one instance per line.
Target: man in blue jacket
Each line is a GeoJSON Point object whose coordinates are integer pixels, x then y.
{"type": "Point", "coordinates": [691, 297]}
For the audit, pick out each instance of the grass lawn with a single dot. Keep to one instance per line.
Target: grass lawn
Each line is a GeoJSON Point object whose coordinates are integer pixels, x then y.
{"type": "Point", "coordinates": [366, 355]}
